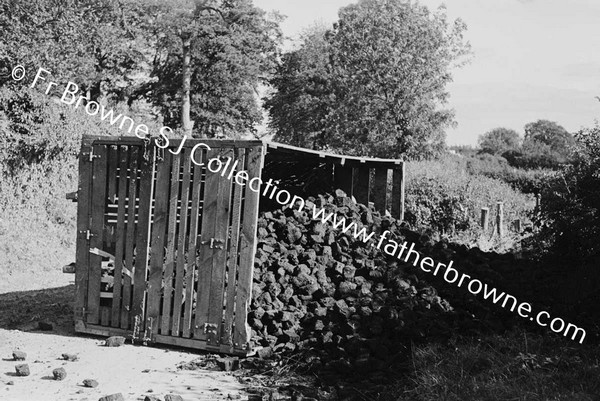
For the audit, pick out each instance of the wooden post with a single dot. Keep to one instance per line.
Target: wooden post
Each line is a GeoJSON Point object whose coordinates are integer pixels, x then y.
{"type": "Point", "coordinates": [500, 219]}
{"type": "Point", "coordinates": [537, 202]}
{"type": "Point", "coordinates": [518, 226]}
{"type": "Point", "coordinates": [485, 218]}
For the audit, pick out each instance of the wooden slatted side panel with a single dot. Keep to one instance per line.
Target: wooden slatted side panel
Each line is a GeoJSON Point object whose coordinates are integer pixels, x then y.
{"type": "Point", "coordinates": [361, 187]}
{"type": "Point", "coordinates": [233, 260]}
{"type": "Point", "coordinates": [219, 259]}
{"type": "Point", "coordinates": [205, 254]}
{"type": "Point", "coordinates": [254, 165]}
{"type": "Point", "coordinates": [380, 189]}
{"type": "Point", "coordinates": [344, 179]}
{"type": "Point", "coordinates": [398, 192]}
{"type": "Point", "coordinates": [158, 242]}
{"type": "Point", "coordinates": [181, 245]}
{"type": "Point", "coordinates": [130, 231]}
{"type": "Point", "coordinates": [169, 264]}
{"type": "Point", "coordinates": [120, 237]}
{"type": "Point", "coordinates": [82, 256]}
{"type": "Point", "coordinates": [190, 274]}
{"type": "Point", "coordinates": [98, 200]}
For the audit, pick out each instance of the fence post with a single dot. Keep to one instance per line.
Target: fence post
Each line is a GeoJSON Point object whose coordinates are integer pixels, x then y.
{"type": "Point", "coordinates": [500, 219]}
{"type": "Point", "coordinates": [485, 218]}
{"type": "Point", "coordinates": [518, 226]}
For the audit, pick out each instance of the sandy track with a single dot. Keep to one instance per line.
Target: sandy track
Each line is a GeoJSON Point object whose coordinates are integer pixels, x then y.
{"type": "Point", "coordinates": [130, 370]}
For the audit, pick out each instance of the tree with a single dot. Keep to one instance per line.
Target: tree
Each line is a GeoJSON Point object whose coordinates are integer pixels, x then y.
{"type": "Point", "coordinates": [499, 140]}
{"type": "Point", "coordinates": [97, 44]}
{"type": "Point", "coordinates": [548, 133]}
{"type": "Point", "coordinates": [385, 67]}
{"type": "Point", "coordinates": [209, 61]}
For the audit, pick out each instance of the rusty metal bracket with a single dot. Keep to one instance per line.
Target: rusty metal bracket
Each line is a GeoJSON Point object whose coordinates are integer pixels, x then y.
{"type": "Point", "coordinates": [211, 331]}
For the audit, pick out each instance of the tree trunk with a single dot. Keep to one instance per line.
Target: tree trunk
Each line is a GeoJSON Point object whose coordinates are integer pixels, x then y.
{"type": "Point", "coordinates": [186, 121]}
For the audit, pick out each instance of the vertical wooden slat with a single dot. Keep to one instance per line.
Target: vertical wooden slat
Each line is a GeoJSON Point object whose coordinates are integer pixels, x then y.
{"type": "Point", "coordinates": [180, 271]}
{"type": "Point", "coordinates": [82, 255]}
{"type": "Point", "coordinates": [157, 252]}
{"type": "Point", "coordinates": [379, 197]}
{"type": "Point", "coordinates": [143, 234]}
{"type": "Point", "coordinates": [361, 184]}
{"type": "Point", "coordinates": [171, 240]}
{"type": "Point", "coordinates": [247, 251]}
{"type": "Point", "coordinates": [120, 238]}
{"type": "Point", "coordinates": [232, 263]}
{"type": "Point", "coordinates": [96, 231]}
{"type": "Point", "coordinates": [105, 316]}
{"type": "Point", "coordinates": [113, 160]}
{"type": "Point", "coordinates": [191, 257]}
{"type": "Point", "coordinates": [397, 198]}
{"type": "Point", "coordinates": [205, 255]}
{"type": "Point", "coordinates": [219, 261]}
{"type": "Point", "coordinates": [129, 237]}
{"type": "Point", "coordinates": [343, 179]}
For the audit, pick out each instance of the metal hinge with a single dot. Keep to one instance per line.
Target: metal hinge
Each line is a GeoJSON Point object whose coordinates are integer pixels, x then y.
{"type": "Point", "coordinates": [211, 332]}
{"type": "Point", "coordinates": [213, 243]}
{"type": "Point", "coordinates": [91, 156]}
{"type": "Point", "coordinates": [87, 233]}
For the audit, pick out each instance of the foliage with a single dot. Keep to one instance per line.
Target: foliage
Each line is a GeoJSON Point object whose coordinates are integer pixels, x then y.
{"type": "Point", "coordinates": [36, 129]}
{"type": "Point", "coordinates": [379, 80]}
{"type": "Point", "coordinates": [512, 366]}
{"type": "Point", "coordinates": [499, 140]}
{"type": "Point", "coordinates": [546, 145]}
{"type": "Point", "coordinates": [570, 208]}
{"type": "Point", "coordinates": [444, 197]}
{"type": "Point", "coordinates": [233, 48]}
{"type": "Point", "coordinates": [97, 44]}
{"type": "Point", "coordinates": [527, 181]}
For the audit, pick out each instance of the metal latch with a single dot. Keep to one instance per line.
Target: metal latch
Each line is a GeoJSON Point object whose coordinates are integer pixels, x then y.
{"type": "Point", "coordinates": [213, 243]}
{"type": "Point", "coordinates": [87, 233]}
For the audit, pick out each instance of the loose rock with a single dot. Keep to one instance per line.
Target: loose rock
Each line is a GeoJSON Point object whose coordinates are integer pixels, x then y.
{"type": "Point", "coordinates": [112, 397]}
{"type": "Point", "coordinates": [22, 370]}
{"type": "Point", "coordinates": [115, 341]}
{"type": "Point", "coordinates": [19, 355]}
{"type": "Point", "coordinates": [173, 397]}
{"type": "Point", "coordinates": [70, 357]}
{"type": "Point", "coordinates": [91, 383]}
{"type": "Point", "coordinates": [45, 326]}
{"type": "Point", "coordinates": [59, 373]}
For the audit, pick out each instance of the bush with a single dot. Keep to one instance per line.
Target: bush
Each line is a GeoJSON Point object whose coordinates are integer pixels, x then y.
{"type": "Point", "coordinates": [570, 208]}
{"type": "Point", "coordinates": [444, 197]}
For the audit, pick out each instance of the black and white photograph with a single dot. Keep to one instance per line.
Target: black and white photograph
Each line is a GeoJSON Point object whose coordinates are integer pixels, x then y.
{"type": "Point", "coordinates": [284, 200]}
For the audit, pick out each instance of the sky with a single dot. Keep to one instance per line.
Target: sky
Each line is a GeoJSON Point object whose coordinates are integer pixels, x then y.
{"type": "Point", "coordinates": [532, 59]}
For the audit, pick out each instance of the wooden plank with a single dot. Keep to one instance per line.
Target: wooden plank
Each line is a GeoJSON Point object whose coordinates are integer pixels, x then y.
{"type": "Point", "coordinates": [113, 162]}
{"type": "Point", "coordinates": [143, 233]}
{"type": "Point", "coordinates": [129, 237]}
{"type": "Point", "coordinates": [180, 266]}
{"type": "Point", "coordinates": [397, 197]}
{"type": "Point", "coordinates": [171, 240]}
{"type": "Point", "coordinates": [120, 237]}
{"type": "Point", "coordinates": [82, 254]}
{"type": "Point", "coordinates": [205, 254]}
{"type": "Point", "coordinates": [96, 230]}
{"type": "Point", "coordinates": [343, 179]}
{"type": "Point", "coordinates": [201, 345]}
{"type": "Point", "coordinates": [105, 315]}
{"type": "Point", "coordinates": [192, 246]}
{"type": "Point", "coordinates": [232, 263]}
{"type": "Point", "coordinates": [157, 248]}
{"type": "Point", "coordinates": [174, 144]}
{"type": "Point", "coordinates": [380, 189]}
{"type": "Point", "coordinates": [241, 337]}
{"type": "Point", "coordinates": [361, 185]}
{"type": "Point", "coordinates": [219, 261]}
